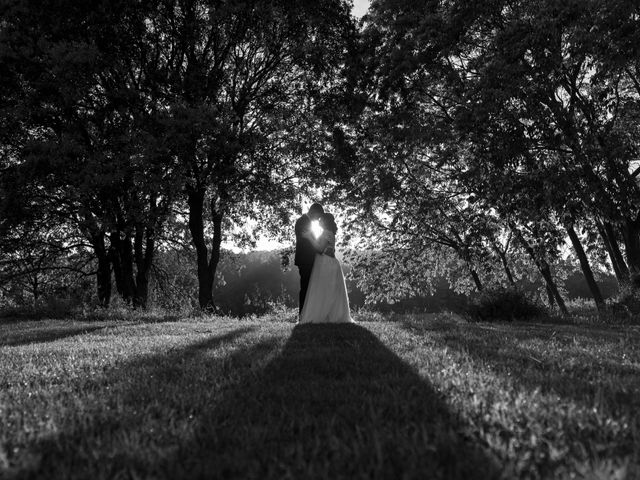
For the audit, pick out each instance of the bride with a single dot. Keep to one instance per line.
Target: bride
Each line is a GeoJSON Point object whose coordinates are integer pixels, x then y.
{"type": "Point", "coordinates": [327, 300]}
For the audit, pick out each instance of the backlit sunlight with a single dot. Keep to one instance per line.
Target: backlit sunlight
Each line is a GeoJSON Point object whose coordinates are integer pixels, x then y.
{"type": "Point", "coordinates": [316, 228]}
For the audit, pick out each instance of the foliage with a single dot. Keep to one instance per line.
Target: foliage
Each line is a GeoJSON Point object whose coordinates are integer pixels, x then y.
{"type": "Point", "coordinates": [241, 275]}
{"type": "Point", "coordinates": [476, 136]}
{"type": "Point", "coordinates": [125, 120]}
{"type": "Point", "coordinates": [174, 280]}
{"type": "Point", "coordinates": [391, 272]}
{"type": "Point", "coordinates": [85, 152]}
{"type": "Point", "coordinates": [42, 263]}
{"type": "Point", "coordinates": [174, 390]}
{"type": "Point", "coordinates": [505, 305]}
{"type": "Point", "coordinates": [496, 129]}
{"type": "Point", "coordinates": [629, 298]}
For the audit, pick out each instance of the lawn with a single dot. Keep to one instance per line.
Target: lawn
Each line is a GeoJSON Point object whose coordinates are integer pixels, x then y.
{"type": "Point", "coordinates": [427, 397]}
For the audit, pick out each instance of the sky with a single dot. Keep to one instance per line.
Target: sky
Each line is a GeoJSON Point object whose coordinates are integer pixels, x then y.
{"type": "Point", "coordinates": [360, 7]}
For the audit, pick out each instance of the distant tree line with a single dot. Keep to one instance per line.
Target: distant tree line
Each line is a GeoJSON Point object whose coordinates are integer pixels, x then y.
{"type": "Point", "coordinates": [256, 283]}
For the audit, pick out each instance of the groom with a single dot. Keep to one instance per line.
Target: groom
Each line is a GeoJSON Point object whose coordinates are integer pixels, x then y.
{"type": "Point", "coordinates": [305, 253]}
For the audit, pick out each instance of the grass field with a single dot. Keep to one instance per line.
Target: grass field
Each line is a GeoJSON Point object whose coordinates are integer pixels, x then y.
{"type": "Point", "coordinates": [427, 397]}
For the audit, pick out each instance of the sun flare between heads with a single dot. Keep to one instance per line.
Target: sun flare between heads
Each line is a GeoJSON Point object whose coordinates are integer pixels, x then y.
{"type": "Point", "coordinates": [316, 228]}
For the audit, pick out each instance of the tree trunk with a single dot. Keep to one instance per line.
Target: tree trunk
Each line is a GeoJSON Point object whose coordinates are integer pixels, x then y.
{"type": "Point", "coordinates": [476, 279]}
{"type": "Point", "coordinates": [216, 241]}
{"type": "Point", "coordinates": [615, 255]}
{"type": "Point", "coordinates": [505, 264]}
{"type": "Point", "coordinates": [35, 289]}
{"type": "Point", "coordinates": [586, 268]}
{"type": "Point", "coordinates": [630, 233]}
{"type": "Point", "coordinates": [122, 260]}
{"type": "Point", "coordinates": [552, 300]}
{"type": "Point", "coordinates": [114, 256]}
{"type": "Point", "coordinates": [144, 251]}
{"type": "Point", "coordinates": [544, 269]}
{"type": "Point", "coordinates": [195, 200]}
{"type": "Point", "coordinates": [103, 275]}
{"type": "Point", "coordinates": [464, 255]}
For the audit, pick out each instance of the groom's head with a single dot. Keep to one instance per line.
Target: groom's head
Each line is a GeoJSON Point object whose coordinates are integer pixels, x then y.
{"type": "Point", "coordinates": [315, 211]}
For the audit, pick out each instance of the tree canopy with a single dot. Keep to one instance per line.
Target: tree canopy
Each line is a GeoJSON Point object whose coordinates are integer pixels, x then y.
{"type": "Point", "coordinates": [486, 141]}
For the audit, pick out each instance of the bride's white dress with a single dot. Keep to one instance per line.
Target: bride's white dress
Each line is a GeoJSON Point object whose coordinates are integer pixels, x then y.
{"type": "Point", "coordinates": [326, 300]}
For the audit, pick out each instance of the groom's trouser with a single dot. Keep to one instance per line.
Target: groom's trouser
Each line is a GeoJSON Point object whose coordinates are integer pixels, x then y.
{"type": "Point", "coordinates": [305, 275]}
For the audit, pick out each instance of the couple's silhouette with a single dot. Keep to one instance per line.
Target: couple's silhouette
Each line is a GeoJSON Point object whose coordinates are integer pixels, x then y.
{"type": "Point", "coordinates": [333, 403]}
{"type": "Point", "coordinates": [323, 292]}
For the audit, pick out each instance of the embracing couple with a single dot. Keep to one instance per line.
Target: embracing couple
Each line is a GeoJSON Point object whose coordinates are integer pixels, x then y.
{"type": "Point", "coordinates": [323, 292]}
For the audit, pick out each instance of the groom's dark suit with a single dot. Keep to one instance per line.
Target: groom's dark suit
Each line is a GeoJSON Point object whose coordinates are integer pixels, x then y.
{"type": "Point", "coordinates": [305, 255]}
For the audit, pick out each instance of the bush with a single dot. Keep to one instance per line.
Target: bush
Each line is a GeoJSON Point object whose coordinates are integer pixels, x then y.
{"type": "Point", "coordinates": [582, 307]}
{"type": "Point", "coordinates": [625, 306]}
{"type": "Point", "coordinates": [629, 296]}
{"type": "Point", "coordinates": [45, 308]}
{"type": "Point", "coordinates": [504, 305]}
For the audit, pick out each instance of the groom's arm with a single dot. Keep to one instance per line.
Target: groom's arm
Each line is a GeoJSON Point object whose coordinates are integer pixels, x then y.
{"type": "Point", "coordinates": [301, 226]}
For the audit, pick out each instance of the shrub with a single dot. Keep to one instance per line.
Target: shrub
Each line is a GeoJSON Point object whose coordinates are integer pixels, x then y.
{"type": "Point", "coordinates": [629, 296]}
{"type": "Point", "coordinates": [625, 306]}
{"type": "Point", "coordinates": [581, 306]}
{"type": "Point", "coordinates": [504, 305]}
{"type": "Point", "coordinates": [49, 306]}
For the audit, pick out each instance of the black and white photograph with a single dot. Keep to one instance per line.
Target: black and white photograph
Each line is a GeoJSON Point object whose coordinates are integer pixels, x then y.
{"type": "Point", "coordinates": [320, 239]}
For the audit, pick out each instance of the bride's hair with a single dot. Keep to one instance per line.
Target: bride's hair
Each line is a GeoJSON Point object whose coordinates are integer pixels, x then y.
{"type": "Point", "coordinates": [328, 222]}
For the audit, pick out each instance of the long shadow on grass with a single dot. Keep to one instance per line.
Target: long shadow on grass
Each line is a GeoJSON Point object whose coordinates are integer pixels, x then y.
{"type": "Point", "coordinates": [41, 334]}
{"type": "Point", "coordinates": [332, 402]}
{"type": "Point", "coordinates": [335, 403]}
{"type": "Point", "coordinates": [521, 352]}
{"type": "Point", "coordinates": [139, 410]}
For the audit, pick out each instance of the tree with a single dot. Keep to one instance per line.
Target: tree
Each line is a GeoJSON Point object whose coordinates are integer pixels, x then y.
{"type": "Point", "coordinates": [517, 103]}
{"type": "Point", "coordinates": [119, 110]}
{"type": "Point", "coordinates": [235, 79]}
{"type": "Point", "coordinates": [85, 136]}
